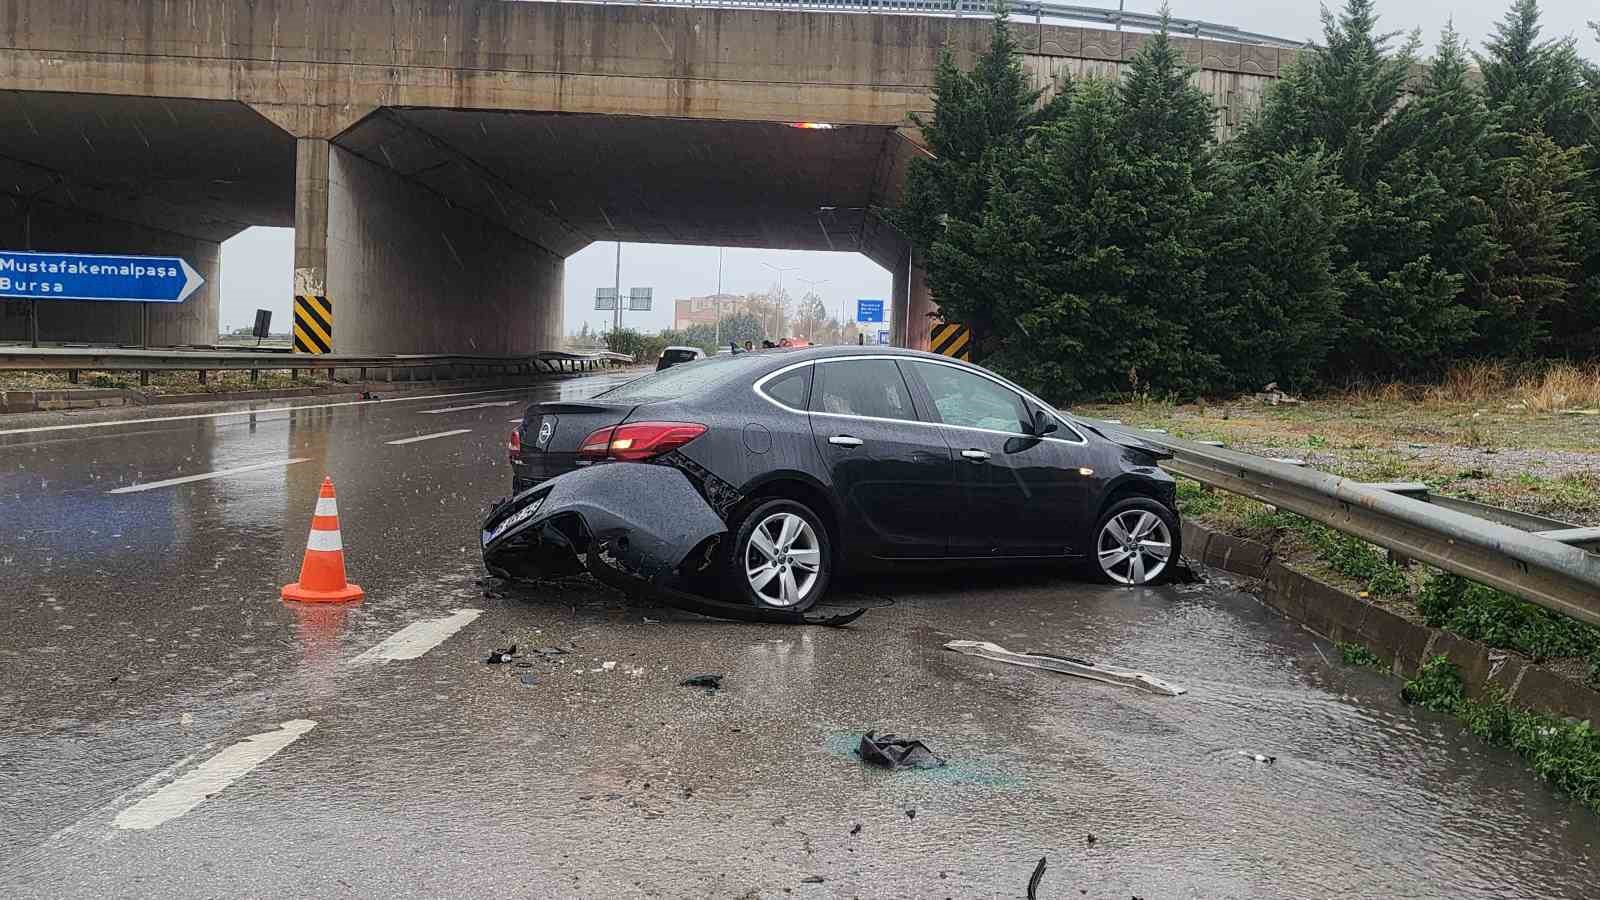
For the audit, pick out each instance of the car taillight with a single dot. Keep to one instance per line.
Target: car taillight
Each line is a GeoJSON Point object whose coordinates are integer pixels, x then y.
{"type": "Point", "coordinates": [638, 440]}
{"type": "Point", "coordinates": [514, 443]}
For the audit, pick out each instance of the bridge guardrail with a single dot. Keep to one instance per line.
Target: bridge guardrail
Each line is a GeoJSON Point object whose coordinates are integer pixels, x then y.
{"type": "Point", "coordinates": [1538, 559]}
{"type": "Point", "coordinates": [74, 360]}
{"type": "Point", "coordinates": [1039, 10]}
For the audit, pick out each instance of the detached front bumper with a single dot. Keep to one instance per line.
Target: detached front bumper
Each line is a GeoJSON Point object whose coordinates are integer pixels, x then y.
{"type": "Point", "coordinates": [643, 520]}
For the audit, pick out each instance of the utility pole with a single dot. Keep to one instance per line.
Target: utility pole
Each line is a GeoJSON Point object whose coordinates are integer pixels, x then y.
{"type": "Point", "coordinates": [716, 302]}
{"type": "Point", "coordinates": [811, 287]}
{"type": "Point", "coordinates": [780, 270]}
{"type": "Point", "coordinates": [616, 316]}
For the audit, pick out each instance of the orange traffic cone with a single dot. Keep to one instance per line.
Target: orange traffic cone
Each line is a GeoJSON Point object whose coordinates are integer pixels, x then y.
{"type": "Point", "coordinates": [322, 573]}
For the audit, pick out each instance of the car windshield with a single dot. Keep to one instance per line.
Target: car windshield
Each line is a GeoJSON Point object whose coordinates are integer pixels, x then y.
{"type": "Point", "coordinates": [678, 356]}
{"type": "Point", "coordinates": [687, 378]}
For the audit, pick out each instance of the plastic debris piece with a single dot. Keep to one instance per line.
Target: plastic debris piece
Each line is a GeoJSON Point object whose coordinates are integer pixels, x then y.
{"type": "Point", "coordinates": [710, 682]}
{"type": "Point", "coordinates": [1067, 665]}
{"type": "Point", "coordinates": [1035, 878]}
{"type": "Point", "coordinates": [893, 752]}
{"type": "Point", "coordinates": [608, 665]}
{"type": "Point", "coordinates": [529, 679]}
{"type": "Point", "coordinates": [856, 828]}
{"type": "Point", "coordinates": [1259, 757]}
{"type": "Point", "coordinates": [812, 879]}
{"type": "Point", "coordinates": [502, 655]}
{"type": "Point", "coordinates": [1090, 839]}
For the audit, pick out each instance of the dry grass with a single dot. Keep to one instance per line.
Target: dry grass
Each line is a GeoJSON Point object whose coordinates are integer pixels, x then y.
{"type": "Point", "coordinates": [1561, 386]}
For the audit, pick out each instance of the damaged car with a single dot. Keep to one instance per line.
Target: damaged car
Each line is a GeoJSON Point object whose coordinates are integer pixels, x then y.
{"type": "Point", "coordinates": [762, 477]}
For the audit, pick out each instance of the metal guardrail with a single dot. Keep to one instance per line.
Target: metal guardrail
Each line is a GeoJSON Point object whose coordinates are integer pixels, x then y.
{"type": "Point", "coordinates": [1039, 11]}
{"type": "Point", "coordinates": [74, 360]}
{"type": "Point", "coordinates": [1533, 557]}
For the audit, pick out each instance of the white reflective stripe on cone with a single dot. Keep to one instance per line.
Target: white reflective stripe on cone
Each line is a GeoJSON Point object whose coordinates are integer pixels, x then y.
{"type": "Point", "coordinates": [323, 540]}
{"type": "Point", "coordinates": [326, 506]}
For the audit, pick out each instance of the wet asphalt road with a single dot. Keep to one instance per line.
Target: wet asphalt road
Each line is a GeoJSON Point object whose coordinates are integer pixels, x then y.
{"type": "Point", "coordinates": [145, 643]}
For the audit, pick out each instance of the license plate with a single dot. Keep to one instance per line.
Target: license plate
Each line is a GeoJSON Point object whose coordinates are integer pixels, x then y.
{"type": "Point", "coordinates": [521, 515]}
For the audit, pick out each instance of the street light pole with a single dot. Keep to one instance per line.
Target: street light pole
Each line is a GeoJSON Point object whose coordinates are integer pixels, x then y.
{"type": "Point", "coordinates": [716, 302]}
{"type": "Point", "coordinates": [780, 270]}
{"type": "Point", "coordinates": [616, 316]}
{"type": "Point", "coordinates": [811, 287]}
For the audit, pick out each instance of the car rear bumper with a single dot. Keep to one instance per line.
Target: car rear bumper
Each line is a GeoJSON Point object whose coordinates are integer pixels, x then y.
{"type": "Point", "coordinates": [641, 519]}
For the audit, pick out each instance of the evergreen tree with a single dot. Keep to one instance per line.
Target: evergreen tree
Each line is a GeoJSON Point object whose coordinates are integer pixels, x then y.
{"type": "Point", "coordinates": [1272, 310]}
{"type": "Point", "coordinates": [1089, 255]}
{"type": "Point", "coordinates": [1534, 85]}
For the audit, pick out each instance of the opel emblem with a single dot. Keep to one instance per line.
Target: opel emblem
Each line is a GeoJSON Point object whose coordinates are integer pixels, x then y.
{"type": "Point", "coordinates": [545, 430]}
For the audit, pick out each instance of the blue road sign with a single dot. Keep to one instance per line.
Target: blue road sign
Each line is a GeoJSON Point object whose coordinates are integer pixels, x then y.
{"type": "Point", "coordinates": [869, 310]}
{"type": "Point", "coordinates": [883, 337]}
{"type": "Point", "coordinates": [77, 276]}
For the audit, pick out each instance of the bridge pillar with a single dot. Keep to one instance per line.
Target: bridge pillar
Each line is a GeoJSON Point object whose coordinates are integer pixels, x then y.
{"type": "Point", "coordinates": [913, 306]}
{"type": "Point", "coordinates": [407, 272]}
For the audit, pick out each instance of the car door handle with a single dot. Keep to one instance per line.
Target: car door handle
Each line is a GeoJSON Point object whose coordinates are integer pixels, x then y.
{"type": "Point", "coordinates": [845, 440]}
{"type": "Point", "coordinates": [975, 455]}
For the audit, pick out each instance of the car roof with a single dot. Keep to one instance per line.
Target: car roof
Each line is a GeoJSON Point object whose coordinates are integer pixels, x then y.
{"type": "Point", "coordinates": [797, 354]}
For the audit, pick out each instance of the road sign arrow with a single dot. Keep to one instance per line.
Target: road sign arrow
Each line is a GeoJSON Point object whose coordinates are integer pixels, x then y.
{"type": "Point", "coordinates": [191, 280]}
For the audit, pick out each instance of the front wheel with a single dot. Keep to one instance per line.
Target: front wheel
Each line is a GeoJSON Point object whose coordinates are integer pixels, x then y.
{"type": "Point", "coordinates": [780, 558]}
{"type": "Point", "coordinates": [1137, 542]}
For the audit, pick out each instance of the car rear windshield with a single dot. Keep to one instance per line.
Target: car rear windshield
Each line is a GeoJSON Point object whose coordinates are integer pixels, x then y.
{"type": "Point", "coordinates": [689, 378]}
{"type": "Point", "coordinates": [678, 356]}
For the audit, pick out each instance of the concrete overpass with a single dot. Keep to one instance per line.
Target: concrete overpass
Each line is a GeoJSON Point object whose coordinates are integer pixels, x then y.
{"type": "Point", "coordinates": [439, 159]}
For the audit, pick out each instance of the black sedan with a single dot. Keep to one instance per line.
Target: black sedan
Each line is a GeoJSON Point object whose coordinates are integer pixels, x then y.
{"type": "Point", "coordinates": [762, 476]}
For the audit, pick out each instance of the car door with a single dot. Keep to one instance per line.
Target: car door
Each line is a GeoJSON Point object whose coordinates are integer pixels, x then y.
{"type": "Point", "coordinates": [1023, 495]}
{"type": "Point", "coordinates": [893, 473]}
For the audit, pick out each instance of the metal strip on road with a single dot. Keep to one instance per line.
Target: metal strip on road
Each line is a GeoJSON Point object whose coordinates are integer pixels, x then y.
{"type": "Point", "coordinates": [261, 412]}
{"type": "Point", "coordinates": [418, 638]}
{"type": "Point", "coordinates": [206, 476]}
{"type": "Point", "coordinates": [427, 437]}
{"type": "Point", "coordinates": [212, 777]}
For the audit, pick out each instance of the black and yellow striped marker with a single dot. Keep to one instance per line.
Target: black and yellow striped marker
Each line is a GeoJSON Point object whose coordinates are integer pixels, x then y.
{"type": "Point", "coordinates": [313, 324]}
{"type": "Point", "coordinates": [951, 339]}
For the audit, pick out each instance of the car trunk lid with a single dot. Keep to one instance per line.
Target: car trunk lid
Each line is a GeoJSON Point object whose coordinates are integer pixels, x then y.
{"type": "Point", "coordinates": [552, 432]}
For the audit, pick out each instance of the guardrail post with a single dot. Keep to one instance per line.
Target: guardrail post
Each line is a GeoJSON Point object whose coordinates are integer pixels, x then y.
{"type": "Point", "coordinates": [363, 374]}
{"type": "Point", "coordinates": [255, 375]}
{"type": "Point", "coordinates": [144, 377]}
{"type": "Point", "coordinates": [203, 376]}
{"type": "Point", "coordinates": [72, 376]}
{"type": "Point", "coordinates": [294, 374]}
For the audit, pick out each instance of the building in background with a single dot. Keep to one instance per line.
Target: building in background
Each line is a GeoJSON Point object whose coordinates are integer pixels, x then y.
{"type": "Point", "coordinates": [691, 311]}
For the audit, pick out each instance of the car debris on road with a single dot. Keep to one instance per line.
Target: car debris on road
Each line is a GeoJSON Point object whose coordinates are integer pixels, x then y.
{"type": "Point", "coordinates": [1069, 666]}
{"type": "Point", "coordinates": [711, 682]}
{"type": "Point", "coordinates": [893, 752]}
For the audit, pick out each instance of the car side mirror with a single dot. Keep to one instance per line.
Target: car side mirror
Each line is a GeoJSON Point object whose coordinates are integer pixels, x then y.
{"type": "Point", "coordinates": [1043, 423]}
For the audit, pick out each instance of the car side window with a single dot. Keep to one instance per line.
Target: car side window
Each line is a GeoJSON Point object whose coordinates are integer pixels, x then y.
{"type": "Point", "coordinates": [792, 389]}
{"type": "Point", "coordinates": [972, 401]}
{"type": "Point", "coordinates": [862, 387]}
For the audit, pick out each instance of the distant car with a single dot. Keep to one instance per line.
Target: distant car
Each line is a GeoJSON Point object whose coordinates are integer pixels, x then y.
{"type": "Point", "coordinates": [767, 474]}
{"type": "Point", "coordinates": [673, 356]}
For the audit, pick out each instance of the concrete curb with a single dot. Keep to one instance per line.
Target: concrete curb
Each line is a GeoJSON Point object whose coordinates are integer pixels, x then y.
{"type": "Point", "coordinates": [1340, 616]}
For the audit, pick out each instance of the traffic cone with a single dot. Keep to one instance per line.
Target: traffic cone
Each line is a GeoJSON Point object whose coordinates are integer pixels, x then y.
{"type": "Point", "coordinates": [322, 572]}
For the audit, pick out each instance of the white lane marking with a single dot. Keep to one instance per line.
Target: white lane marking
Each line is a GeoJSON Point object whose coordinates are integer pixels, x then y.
{"type": "Point", "coordinates": [260, 412]}
{"type": "Point", "coordinates": [428, 437]}
{"type": "Point", "coordinates": [515, 421]}
{"type": "Point", "coordinates": [418, 638]}
{"type": "Point", "coordinates": [326, 541]}
{"type": "Point", "coordinates": [220, 473]}
{"type": "Point", "coordinates": [327, 506]}
{"type": "Point", "coordinates": [140, 788]}
{"type": "Point", "coordinates": [214, 775]}
{"type": "Point", "coordinates": [434, 412]}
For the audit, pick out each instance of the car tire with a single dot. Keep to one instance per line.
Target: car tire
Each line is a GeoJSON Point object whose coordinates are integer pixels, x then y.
{"type": "Point", "coordinates": [1128, 539]}
{"type": "Point", "coordinates": [761, 571]}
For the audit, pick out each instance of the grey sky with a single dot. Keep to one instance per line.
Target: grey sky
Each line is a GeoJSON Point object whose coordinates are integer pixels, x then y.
{"type": "Point", "coordinates": [257, 265]}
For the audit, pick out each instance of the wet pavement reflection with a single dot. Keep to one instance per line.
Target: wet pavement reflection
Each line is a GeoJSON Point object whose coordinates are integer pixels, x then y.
{"type": "Point", "coordinates": [146, 635]}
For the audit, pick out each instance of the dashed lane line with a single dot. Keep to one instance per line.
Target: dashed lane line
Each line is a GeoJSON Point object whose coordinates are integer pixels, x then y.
{"type": "Point", "coordinates": [449, 409]}
{"type": "Point", "coordinates": [206, 476]}
{"type": "Point", "coordinates": [418, 638]}
{"type": "Point", "coordinates": [210, 778]}
{"type": "Point", "coordinates": [428, 437]}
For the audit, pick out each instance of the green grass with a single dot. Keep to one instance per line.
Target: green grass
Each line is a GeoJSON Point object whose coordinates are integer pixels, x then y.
{"type": "Point", "coordinates": [1358, 655]}
{"type": "Point", "coordinates": [1501, 620]}
{"type": "Point", "coordinates": [1564, 753]}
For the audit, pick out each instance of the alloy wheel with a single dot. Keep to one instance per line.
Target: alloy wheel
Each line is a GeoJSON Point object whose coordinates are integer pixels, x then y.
{"type": "Point", "coordinates": [1134, 547]}
{"type": "Point", "coordinates": [782, 559]}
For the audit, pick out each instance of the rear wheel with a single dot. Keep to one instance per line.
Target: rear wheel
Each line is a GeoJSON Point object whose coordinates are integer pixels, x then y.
{"type": "Point", "coordinates": [780, 557]}
{"type": "Point", "coordinates": [1137, 542]}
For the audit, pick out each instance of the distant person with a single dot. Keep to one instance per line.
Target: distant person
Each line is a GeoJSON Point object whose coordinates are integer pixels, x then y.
{"type": "Point", "coordinates": [749, 345]}
{"type": "Point", "coordinates": [767, 345]}
{"type": "Point", "coordinates": [785, 343]}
